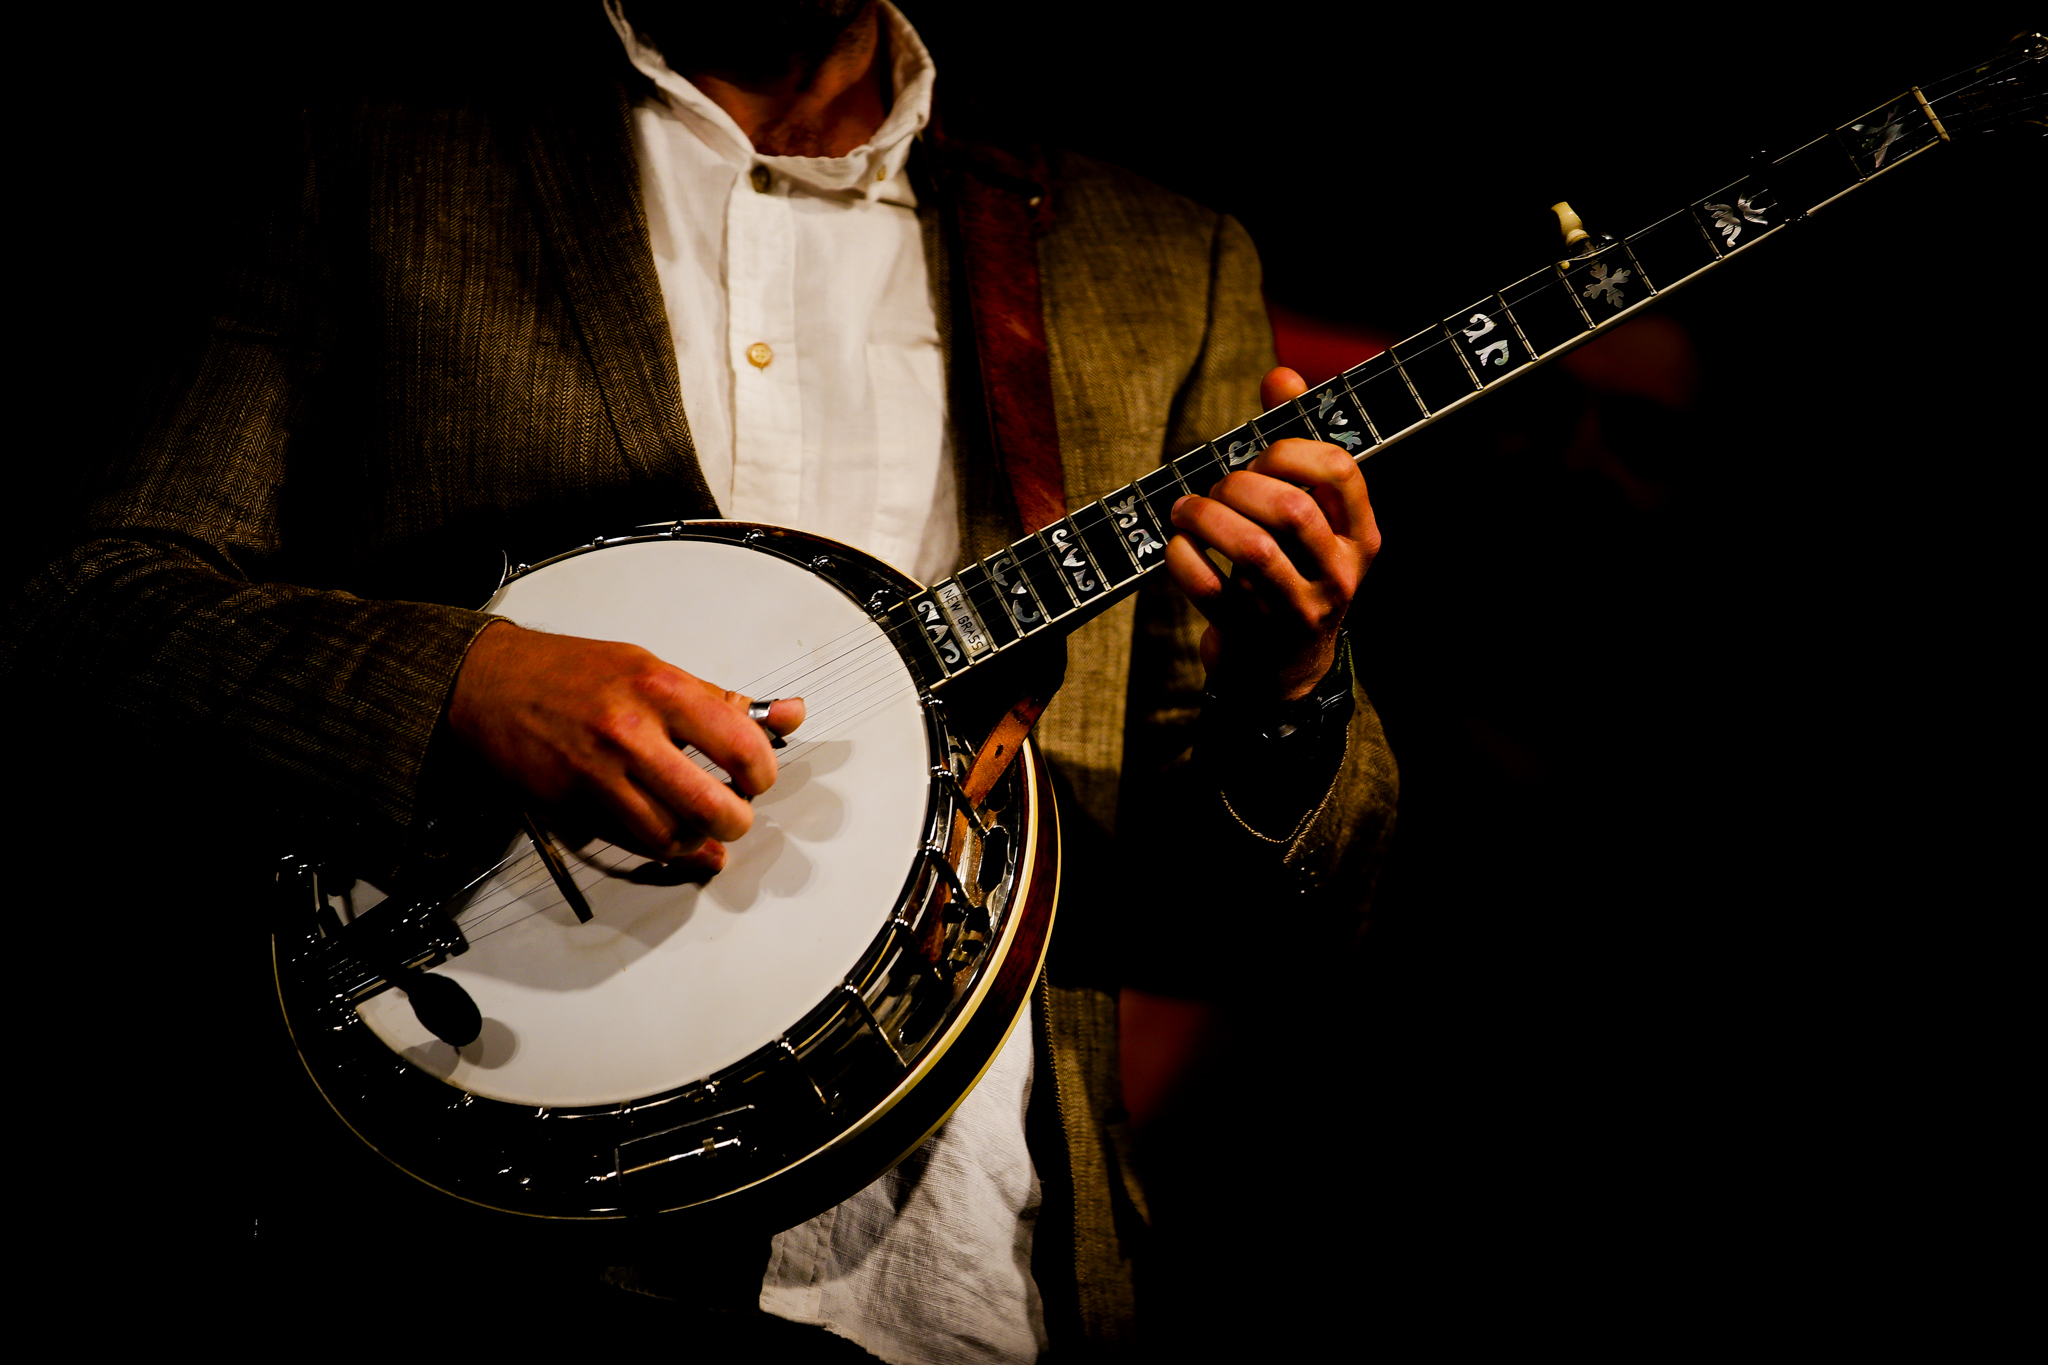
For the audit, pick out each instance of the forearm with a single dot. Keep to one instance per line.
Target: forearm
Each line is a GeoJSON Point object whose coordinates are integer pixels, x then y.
{"type": "Point", "coordinates": [1231, 839]}
{"type": "Point", "coordinates": [336, 696]}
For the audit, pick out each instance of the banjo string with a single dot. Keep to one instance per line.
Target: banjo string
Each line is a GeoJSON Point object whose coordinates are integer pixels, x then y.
{"type": "Point", "coordinates": [846, 686]}
{"type": "Point", "coordinates": [486, 916]}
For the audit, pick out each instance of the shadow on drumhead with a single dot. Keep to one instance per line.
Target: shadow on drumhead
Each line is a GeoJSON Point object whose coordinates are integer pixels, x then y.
{"type": "Point", "coordinates": [494, 1047]}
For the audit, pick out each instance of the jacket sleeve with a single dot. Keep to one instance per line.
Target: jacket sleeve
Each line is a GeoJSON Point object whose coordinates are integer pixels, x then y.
{"type": "Point", "coordinates": [165, 619]}
{"type": "Point", "coordinates": [1316, 866]}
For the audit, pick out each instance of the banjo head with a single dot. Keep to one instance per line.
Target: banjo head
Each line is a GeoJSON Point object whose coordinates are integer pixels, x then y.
{"type": "Point", "coordinates": [750, 1050]}
{"type": "Point", "coordinates": [669, 984]}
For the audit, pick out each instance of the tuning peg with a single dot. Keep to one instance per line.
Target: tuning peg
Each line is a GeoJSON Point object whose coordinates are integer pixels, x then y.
{"type": "Point", "coordinates": [1580, 242]}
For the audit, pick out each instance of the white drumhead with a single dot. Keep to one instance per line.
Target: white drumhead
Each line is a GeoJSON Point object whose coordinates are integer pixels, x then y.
{"type": "Point", "coordinates": [670, 984]}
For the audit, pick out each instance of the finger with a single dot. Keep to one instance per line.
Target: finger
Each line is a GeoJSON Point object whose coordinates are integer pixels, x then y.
{"type": "Point", "coordinates": [1254, 555]}
{"type": "Point", "coordinates": [716, 722]}
{"type": "Point", "coordinates": [696, 800]}
{"type": "Point", "coordinates": [581, 825]}
{"type": "Point", "coordinates": [1279, 385]}
{"type": "Point", "coordinates": [706, 860]}
{"type": "Point", "coordinates": [1195, 575]}
{"type": "Point", "coordinates": [667, 814]}
{"type": "Point", "coordinates": [1332, 477]}
{"type": "Point", "coordinates": [1296, 521]}
{"type": "Point", "coordinates": [786, 714]}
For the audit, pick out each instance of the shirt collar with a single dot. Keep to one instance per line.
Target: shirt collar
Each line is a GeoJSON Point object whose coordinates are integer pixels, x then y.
{"type": "Point", "coordinates": [872, 170]}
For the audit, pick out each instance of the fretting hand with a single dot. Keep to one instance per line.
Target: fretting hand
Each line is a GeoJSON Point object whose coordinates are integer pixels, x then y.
{"type": "Point", "coordinates": [1299, 533]}
{"type": "Point", "coordinates": [594, 730]}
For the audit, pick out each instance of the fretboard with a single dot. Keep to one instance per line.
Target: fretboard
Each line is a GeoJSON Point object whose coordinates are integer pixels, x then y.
{"type": "Point", "coordinates": [1062, 575]}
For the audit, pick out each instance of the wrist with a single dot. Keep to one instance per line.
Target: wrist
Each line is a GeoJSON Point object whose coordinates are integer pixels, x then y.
{"type": "Point", "coordinates": [1323, 710]}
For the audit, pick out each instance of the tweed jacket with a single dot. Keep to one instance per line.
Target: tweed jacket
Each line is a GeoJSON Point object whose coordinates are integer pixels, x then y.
{"type": "Point", "coordinates": [447, 340]}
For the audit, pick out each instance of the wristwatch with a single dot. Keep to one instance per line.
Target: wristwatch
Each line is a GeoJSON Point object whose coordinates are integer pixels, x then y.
{"type": "Point", "coordinates": [1322, 714]}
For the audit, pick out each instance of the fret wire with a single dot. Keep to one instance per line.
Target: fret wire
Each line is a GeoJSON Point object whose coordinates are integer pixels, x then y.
{"type": "Point", "coordinates": [1394, 358]}
{"type": "Point", "coordinates": [1329, 401]}
{"type": "Point", "coordinates": [1043, 550]}
{"type": "Point", "coordinates": [1115, 533]}
{"type": "Point", "coordinates": [1006, 593]}
{"type": "Point", "coordinates": [980, 587]}
{"type": "Point", "coordinates": [1224, 455]}
{"type": "Point", "coordinates": [1200, 456]}
{"type": "Point", "coordinates": [1371, 428]}
{"type": "Point", "coordinates": [1706, 226]}
{"type": "Point", "coordinates": [1515, 324]}
{"type": "Point", "coordinates": [1812, 142]}
{"type": "Point", "coordinates": [946, 630]}
{"type": "Point", "coordinates": [1139, 505]}
{"type": "Point", "coordinates": [1637, 266]}
{"type": "Point", "coordinates": [934, 668]}
{"type": "Point", "coordinates": [1172, 480]}
{"type": "Point", "coordinates": [1113, 526]}
{"type": "Point", "coordinates": [1705, 236]}
{"type": "Point", "coordinates": [1022, 555]}
{"type": "Point", "coordinates": [1391, 367]}
{"type": "Point", "coordinates": [1088, 553]}
{"type": "Point", "coordinates": [1081, 543]}
{"type": "Point", "coordinates": [1572, 293]}
{"type": "Point", "coordinates": [1298, 413]}
{"type": "Point", "coordinates": [1477, 381]}
{"type": "Point", "coordinates": [1260, 441]}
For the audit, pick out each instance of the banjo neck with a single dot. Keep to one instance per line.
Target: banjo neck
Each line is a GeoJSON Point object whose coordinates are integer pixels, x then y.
{"type": "Point", "coordinates": [1062, 575]}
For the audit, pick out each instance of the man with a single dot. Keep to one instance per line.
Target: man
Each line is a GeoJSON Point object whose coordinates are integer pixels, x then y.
{"type": "Point", "coordinates": [506, 315]}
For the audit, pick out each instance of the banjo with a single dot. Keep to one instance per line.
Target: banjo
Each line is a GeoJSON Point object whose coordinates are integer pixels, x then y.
{"type": "Point", "coordinates": [573, 1033]}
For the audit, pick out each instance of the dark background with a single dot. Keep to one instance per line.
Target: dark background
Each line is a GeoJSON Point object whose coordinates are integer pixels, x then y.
{"type": "Point", "coordinates": [1689, 1004]}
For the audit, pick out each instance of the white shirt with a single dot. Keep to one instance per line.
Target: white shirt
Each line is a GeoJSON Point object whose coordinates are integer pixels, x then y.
{"type": "Point", "coordinates": [843, 433]}
{"type": "Point", "coordinates": [801, 312]}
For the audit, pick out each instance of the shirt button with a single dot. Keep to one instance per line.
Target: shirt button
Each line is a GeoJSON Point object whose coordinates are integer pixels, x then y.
{"type": "Point", "coordinates": [759, 354]}
{"type": "Point", "coordinates": [759, 175]}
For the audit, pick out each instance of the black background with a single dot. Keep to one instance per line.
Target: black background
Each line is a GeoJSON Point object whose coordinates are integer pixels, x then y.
{"type": "Point", "coordinates": [1688, 1013]}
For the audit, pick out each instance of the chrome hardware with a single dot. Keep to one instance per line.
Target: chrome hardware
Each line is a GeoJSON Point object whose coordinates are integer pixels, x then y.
{"type": "Point", "coordinates": [868, 1012]}
{"type": "Point", "coordinates": [966, 802]}
{"type": "Point", "coordinates": [521, 570]}
{"type": "Point", "coordinates": [880, 601]}
{"type": "Point", "coordinates": [754, 536]}
{"type": "Point", "coordinates": [823, 564]}
{"type": "Point", "coordinates": [798, 1062]}
{"type": "Point", "coordinates": [952, 875]}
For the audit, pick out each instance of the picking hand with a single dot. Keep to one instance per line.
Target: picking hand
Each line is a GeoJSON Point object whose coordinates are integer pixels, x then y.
{"type": "Point", "coordinates": [595, 729]}
{"type": "Point", "coordinates": [1299, 533]}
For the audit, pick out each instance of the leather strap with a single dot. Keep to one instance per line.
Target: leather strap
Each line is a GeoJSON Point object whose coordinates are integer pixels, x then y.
{"type": "Point", "coordinates": [998, 202]}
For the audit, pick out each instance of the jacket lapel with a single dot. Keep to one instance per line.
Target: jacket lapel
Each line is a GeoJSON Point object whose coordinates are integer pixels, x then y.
{"type": "Point", "coordinates": [586, 189]}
